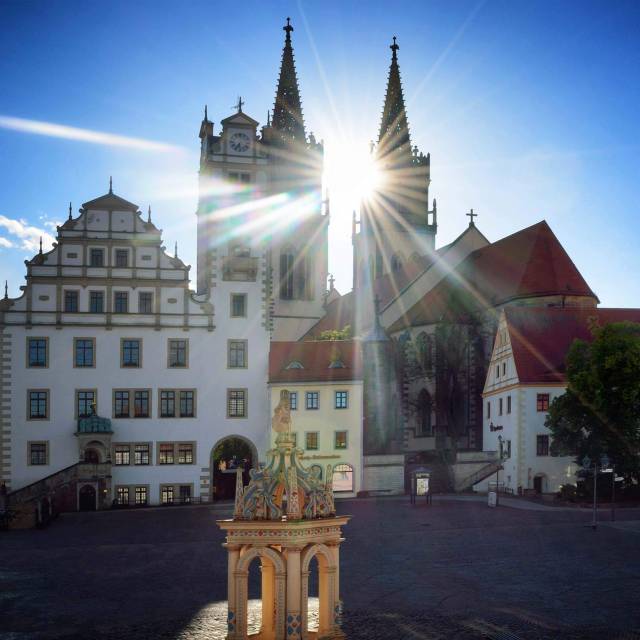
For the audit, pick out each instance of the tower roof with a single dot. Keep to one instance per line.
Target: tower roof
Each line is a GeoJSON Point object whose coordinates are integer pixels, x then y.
{"type": "Point", "coordinates": [394, 128]}
{"type": "Point", "coordinates": [287, 112]}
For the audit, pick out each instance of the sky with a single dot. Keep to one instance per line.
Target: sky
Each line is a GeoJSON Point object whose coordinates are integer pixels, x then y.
{"type": "Point", "coordinates": [529, 111]}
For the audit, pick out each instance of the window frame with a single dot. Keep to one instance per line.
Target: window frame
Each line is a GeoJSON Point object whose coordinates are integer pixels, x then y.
{"type": "Point", "coordinates": [182, 446]}
{"type": "Point", "coordinates": [43, 443]}
{"type": "Point", "coordinates": [165, 449]}
{"type": "Point", "coordinates": [96, 292]}
{"type": "Point", "coordinates": [307, 396]}
{"type": "Point", "coordinates": [93, 354]}
{"type": "Point", "coordinates": [46, 353]}
{"type": "Point", "coordinates": [94, 252]}
{"type": "Point", "coordinates": [148, 297]}
{"type": "Point", "coordinates": [293, 400]}
{"type": "Point", "coordinates": [542, 402]}
{"type": "Point", "coordinates": [124, 488]}
{"type": "Point", "coordinates": [149, 404]}
{"type": "Point", "coordinates": [335, 439]}
{"type": "Point", "coordinates": [346, 399]}
{"type": "Point", "coordinates": [77, 401]}
{"type": "Point", "coordinates": [508, 404]}
{"type": "Point", "coordinates": [118, 252]}
{"type": "Point", "coordinates": [74, 295]}
{"type": "Point", "coordinates": [245, 393]}
{"type": "Point", "coordinates": [186, 353]}
{"type": "Point", "coordinates": [306, 440]}
{"type": "Point", "coordinates": [353, 477]}
{"type": "Point", "coordinates": [131, 366]}
{"type": "Point", "coordinates": [125, 448]}
{"type": "Point", "coordinates": [47, 405]}
{"type": "Point", "coordinates": [245, 351]}
{"type": "Point", "coordinates": [143, 488]}
{"type": "Point", "coordinates": [114, 413]}
{"type": "Point", "coordinates": [125, 297]}
{"type": "Point", "coordinates": [161, 413]}
{"type": "Point", "coordinates": [542, 445]}
{"type": "Point", "coordinates": [148, 450]}
{"type": "Point", "coordinates": [231, 308]}
{"type": "Point", "coordinates": [193, 403]}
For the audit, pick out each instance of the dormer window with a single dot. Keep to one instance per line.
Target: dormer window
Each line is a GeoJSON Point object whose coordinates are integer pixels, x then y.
{"type": "Point", "coordinates": [294, 364]}
{"type": "Point", "coordinates": [337, 364]}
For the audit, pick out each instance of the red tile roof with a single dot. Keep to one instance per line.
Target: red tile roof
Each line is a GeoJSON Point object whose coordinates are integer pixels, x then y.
{"type": "Point", "coordinates": [315, 357]}
{"type": "Point", "coordinates": [527, 264]}
{"type": "Point", "coordinates": [541, 337]}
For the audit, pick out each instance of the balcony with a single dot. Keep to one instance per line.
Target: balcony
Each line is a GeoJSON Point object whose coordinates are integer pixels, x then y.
{"type": "Point", "coordinates": [239, 268]}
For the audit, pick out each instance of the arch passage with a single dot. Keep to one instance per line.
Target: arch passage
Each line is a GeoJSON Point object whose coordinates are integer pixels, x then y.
{"type": "Point", "coordinates": [343, 478]}
{"type": "Point", "coordinates": [327, 588]}
{"type": "Point", "coordinates": [228, 455]}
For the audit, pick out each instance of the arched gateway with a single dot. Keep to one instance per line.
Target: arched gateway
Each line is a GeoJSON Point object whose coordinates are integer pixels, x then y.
{"type": "Point", "coordinates": [285, 517]}
{"type": "Point", "coordinates": [227, 456]}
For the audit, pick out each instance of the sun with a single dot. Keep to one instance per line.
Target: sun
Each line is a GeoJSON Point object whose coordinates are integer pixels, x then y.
{"type": "Point", "coordinates": [350, 172]}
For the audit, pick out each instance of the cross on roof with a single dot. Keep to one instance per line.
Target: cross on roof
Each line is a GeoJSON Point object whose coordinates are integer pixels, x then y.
{"type": "Point", "coordinates": [239, 104]}
{"type": "Point", "coordinates": [288, 28]}
{"type": "Point", "coordinates": [395, 46]}
{"type": "Point", "coordinates": [472, 216]}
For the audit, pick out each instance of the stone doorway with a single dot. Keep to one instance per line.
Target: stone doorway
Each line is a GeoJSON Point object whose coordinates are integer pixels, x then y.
{"type": "Point", "coordinates": [228, 455]}
{"type": "Point", "coordinates": [87, 498]}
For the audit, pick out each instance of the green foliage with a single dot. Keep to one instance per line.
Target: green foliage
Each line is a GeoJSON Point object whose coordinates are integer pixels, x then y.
{"type": "Point", "coordinates": [336, 334]}
{"type": "Point", "coordinates": [568, 492]}
{"type": "Point", "coordinates": [600, 411]}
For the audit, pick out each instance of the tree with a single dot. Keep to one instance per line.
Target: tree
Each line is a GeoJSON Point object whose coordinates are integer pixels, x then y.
{"type": "Point", "coordinates": [600, 411]}
{"type": "Point", "coordinates": [336, 334]}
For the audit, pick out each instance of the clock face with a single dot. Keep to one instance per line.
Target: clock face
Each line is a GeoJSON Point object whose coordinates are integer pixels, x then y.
{"type": "Point", "coordinates": [239, 142]}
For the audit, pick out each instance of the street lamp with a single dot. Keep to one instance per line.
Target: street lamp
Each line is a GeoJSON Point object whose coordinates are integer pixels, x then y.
{"type": "Point", "coordinates": [586, 463]}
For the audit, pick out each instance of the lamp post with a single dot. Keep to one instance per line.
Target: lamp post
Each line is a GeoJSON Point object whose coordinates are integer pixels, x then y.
{"type": "Point", "coordinates": [586, 463]}
{"type": "Point", "coordinates": [605, 465]}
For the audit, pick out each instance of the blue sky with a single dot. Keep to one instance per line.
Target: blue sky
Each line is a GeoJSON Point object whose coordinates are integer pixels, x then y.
{"type": "Point", "coordinates": [529, 110]}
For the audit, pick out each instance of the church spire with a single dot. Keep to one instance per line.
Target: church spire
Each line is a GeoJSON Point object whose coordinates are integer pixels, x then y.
{"type": "Point", "coordinates": [394, 128]}
{"type": "Point", "coordinates": [287, 112]}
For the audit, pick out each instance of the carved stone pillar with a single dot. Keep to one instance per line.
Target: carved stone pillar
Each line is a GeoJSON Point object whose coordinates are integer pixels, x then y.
{"type": "Point", "coordinates": [293, 621]}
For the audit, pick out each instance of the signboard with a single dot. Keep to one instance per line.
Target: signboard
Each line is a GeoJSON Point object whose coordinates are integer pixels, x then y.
{"type": "Point", "coordinates": [422, 486]}
{"type": "Point", "coordinates": [492, 498]}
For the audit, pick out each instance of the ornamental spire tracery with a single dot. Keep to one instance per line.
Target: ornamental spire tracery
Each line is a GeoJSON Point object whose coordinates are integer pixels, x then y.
{"type": "Point", "coordinates": [394, 128]}
{"type": "Point", "coordinates": [287, 112]}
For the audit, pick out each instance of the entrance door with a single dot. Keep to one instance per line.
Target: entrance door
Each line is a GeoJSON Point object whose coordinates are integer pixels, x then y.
{"type": "Point", "coordinates": [229, 455]}
{"type": "Point", "coordinates": [538, 484]}
{"type": "Point", "coordinates": [87, 499]}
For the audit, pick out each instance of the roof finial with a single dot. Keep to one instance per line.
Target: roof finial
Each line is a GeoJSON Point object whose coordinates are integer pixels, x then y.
{"type": "Point", "coordinates": [240, 103]}
{"type": "Point", "coordinates": [6, 289]}
{"type": "Point", "coordinates": [471, 217]}
{"type": "Point", "coordinates": [149, 214]}
{"type": "Point", "coordinates": [288, 28]}
{"type": "Point", "coordinates": [70, 216]}
{"type": "Point", "coordinates": [110, 185]}
{"type": "Point", "coordinates": [331, 282]}
{"type": "Point", "coordinates": [394, 47]}
{"type": "Point", "coordinates": [40, 245]}
{"type": "Point", "coordinates": [206, 118]}
{"type": "Point", "coordinates": [268, 117]}
{"type": "Point", "coordinates": [175, 252]}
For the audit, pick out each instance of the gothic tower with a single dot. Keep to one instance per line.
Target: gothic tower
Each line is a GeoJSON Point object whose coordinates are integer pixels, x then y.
{"type": "Point", "coordinates": [396, 224]}
{"type": "Point", "coordinates": [261, 209]}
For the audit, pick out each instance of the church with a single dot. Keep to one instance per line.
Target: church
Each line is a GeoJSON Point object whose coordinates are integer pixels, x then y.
{"type": "Point", "coordinates": [120, 385]}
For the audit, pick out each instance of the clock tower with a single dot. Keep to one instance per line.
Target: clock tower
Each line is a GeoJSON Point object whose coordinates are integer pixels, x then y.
{"type": "Point", "coordinates": [261, 200]}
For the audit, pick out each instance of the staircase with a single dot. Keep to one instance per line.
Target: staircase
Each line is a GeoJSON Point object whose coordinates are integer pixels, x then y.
{"type": "Point", "coordinates": [465, 482]}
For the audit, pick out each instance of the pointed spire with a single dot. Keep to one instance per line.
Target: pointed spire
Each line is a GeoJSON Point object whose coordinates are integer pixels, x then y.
{"type": "Point", "coordinates": [40, 245]}
{"type": "Point", "coordinates": [6, 289]}
{"type": "Point", "coordinates": [206, 118]}
{"type": "Point", "coordinates": [394, 128]}
{"type": "Point", "coordinates": [175, 251]}
{"type": "Point", "coordinates": [70, 214]}
{"type": "Point", "coordinates": [268, 117]}
{"type": "Point", "coordinates": [149, 214]}
{"type": "Point", "coordinates": [287, 112]}
{"type": "Point", "coordinates": [110, 185]}
{"type": "Point", "coordinates": [435, 213]}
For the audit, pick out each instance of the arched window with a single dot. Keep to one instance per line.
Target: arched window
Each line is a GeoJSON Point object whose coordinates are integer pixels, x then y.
{"type": "Point", "coordinates": [343, 478]}
{"type": "Point", "coordinates": [425, 427]}
{"type": "Point", "coordinates": [286, 275]}
{"type": "Point", "coordinates": [316, 469]}
{"type": "Point", "coordinates": [424, 345]}
{"type": "Point", "coordinates": [396, 263]}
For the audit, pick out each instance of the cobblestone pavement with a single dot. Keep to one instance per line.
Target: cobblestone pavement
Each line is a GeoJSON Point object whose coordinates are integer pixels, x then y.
{"type": "Point", "coordinates": [456, 569]}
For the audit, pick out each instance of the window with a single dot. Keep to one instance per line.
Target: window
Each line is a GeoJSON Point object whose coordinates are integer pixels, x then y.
{"type": "Point", "coordinates": [497, 371]}
{"type": "Point", "coordinates": [96, 301]}
{"type": "Point", "coordinates": [504, 368]}
{"type": "Point", "coordinates": [141, 454]}
{"type": "Point", "coordinates": [38, 405]}
{"type": "Point", "coordinates": [311, 400]}
{"type": "Point", "coordinates": [293, 400]}
{"type": "Point", "coordinates": [499, 406]}
{"type": "Point", "coordinates": [311, 440]}
{"type": "Point", "coordinates": [542, 402]}
{"type": "Point", "coordinates": [145, 302]}
{"type": "Point", "coordinates": [316, 470]}
{"type": "Point", "coordinates": [187, 404]}
{"type": "Point", "coordinates": [185, 493]}
{"type": "Point", "coordinates": [165, 453]}
{"type": "Point", "coordinates": [122, 454]}
{"type": "Point", "coordinates": [542, 445]}
{"type": "Point", "coordinates": [236, 403]}
{"type": "Point", "coordinates": [85, 403]}
{"type": "Point", "coordinates": [507, 449]}
{"type": "Point", "coordinates": [167, 404]}
{"type": "Point", "coordinates": [141, 403]}
{"type": "Point", "coordinates": [121, 404]}
{"type": "Point", "coordinates": [341, 440]}
{"type": "Point", "coordinates": [489, 409]}
{"type": "Point", "coordinates": [166, 494]}
{"type": "Point", "coordinates": [37, 352]}
{"type": "Point", "coordinates": [343, 478]}
{"type": "Point", "coordinates": [237, 356]}
{"type": "Point", "coordinates": [295, 364]}
{"type": "Point", "coordinates": [122, 495]}
{"type": "Point", "coordinates": [38, 453]}
{"type": "Point", "coordinates": [286, 276]}
{"type": "Point", "coordinates": [238, 305]}
{"type": "Point", "coordinates": [178, 353]}
{"type": "Point", "coordinates": [96, 257]}
{"type": "Point", "coordinates": [122, 258]}
{"type": "Point", "coordinates": [342, 399]}
{"type": "Point", "coordinates": [141, 495]}
{"type": "Point", "coordinates": [71, 301]}
{"type": "Point", "coordinates": [84, 352]}
{"type": "Point", "coordinates": [120, 302]}
{"type": "Point", "coordinates": [425, 409]}
{"type": "Point", "coordinates": [130, 356]}
{"type": "Point", "coordinates": [185, 453]}
{"type": "Point", "coordinates": [508, 404]}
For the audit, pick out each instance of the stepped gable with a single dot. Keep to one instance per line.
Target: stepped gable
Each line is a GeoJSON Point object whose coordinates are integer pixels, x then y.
{"type": "Point", "coordinates": [321, 361]}
{"type": "Point", "coordinates": [541, 337]}
{"type": "Point", "coordinates": [530, 263]}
